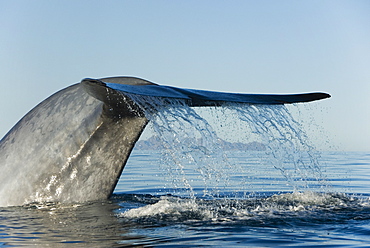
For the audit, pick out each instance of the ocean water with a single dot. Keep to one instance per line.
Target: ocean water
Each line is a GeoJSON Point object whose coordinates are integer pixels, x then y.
{"type": "Point", "coordinates": [144, 212]}
{"type": "Point", "coordinates": [193, 192]}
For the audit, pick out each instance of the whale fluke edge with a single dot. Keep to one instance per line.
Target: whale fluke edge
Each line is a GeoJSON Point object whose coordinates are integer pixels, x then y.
{"type": "Point", "coordinates": [73, 146]}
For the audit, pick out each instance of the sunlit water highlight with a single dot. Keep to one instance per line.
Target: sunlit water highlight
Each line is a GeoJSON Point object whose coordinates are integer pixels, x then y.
{"type": "Point", "coordinates": [194, 193]}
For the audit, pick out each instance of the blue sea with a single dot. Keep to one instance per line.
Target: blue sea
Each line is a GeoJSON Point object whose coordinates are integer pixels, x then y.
{"type": "Point", "coordinates": [254, 204]}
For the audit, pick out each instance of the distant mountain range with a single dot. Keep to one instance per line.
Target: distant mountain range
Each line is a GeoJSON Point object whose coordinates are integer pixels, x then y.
{"type": "Point", "coordinates": [153, 144]}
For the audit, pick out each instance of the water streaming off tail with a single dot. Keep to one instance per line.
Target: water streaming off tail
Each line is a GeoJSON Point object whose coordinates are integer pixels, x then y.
{"type": "Point", "coordinates": [190, 148]}
{"type": "Point", "coordinates": [288, 147]}
{"type": "Point", "coordinates": [194, 156]}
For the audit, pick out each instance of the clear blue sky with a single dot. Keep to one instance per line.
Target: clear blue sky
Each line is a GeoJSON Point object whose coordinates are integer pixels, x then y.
{"type": "Point", "coordinates": [235, 46]}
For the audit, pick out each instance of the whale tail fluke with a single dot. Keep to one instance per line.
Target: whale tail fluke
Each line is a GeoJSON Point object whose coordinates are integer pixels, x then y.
{"type": "Point", "coordinates": [194, 98]}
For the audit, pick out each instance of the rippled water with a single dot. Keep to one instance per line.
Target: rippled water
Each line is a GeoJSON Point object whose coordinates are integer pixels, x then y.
{"type": "Point", "coordinates": [143, 213]}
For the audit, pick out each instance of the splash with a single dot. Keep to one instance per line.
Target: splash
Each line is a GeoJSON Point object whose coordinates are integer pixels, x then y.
{"type": "Point", "coordinates": [277, 209]}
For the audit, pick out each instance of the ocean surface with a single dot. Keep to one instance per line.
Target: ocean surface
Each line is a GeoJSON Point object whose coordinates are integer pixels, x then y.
{"type": "Point", "coordinates": [250, 203]}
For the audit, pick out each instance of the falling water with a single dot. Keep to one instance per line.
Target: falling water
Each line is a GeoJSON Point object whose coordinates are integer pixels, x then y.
{"type": "Point", "coordinates": [288, 147]}
{"type": "Point", "coordinates": [193, 155]}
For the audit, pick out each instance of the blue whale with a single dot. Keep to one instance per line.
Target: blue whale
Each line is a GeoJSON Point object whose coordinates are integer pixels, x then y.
{"type": "Point", "coordinates": [73, 146]}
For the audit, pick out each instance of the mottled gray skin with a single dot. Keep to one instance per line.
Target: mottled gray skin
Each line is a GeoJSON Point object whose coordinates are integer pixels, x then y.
{"type": "Point", "coordinates": [72, 147]}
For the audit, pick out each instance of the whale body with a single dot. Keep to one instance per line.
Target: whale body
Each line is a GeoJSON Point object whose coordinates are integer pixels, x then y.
{"type": "Point", "coordinates": [73, 146]}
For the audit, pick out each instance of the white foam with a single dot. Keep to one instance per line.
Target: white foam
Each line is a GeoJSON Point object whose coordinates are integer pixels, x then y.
{"type": "Point", "coordinates": [221, 210]}
{"type": "Point", "coordinates": [175, 209]}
